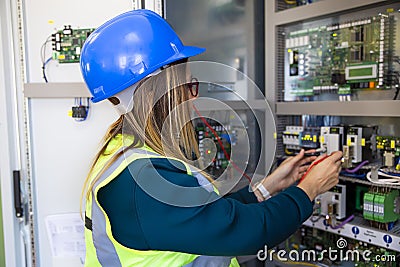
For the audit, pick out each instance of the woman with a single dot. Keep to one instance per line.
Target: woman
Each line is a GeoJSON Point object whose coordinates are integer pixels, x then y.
{"type": "Point", "coordinates": [147, 201]}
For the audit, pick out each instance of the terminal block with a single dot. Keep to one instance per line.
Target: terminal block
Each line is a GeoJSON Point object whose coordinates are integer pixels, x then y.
{"type": "Point", "coordinates": [380, 207]}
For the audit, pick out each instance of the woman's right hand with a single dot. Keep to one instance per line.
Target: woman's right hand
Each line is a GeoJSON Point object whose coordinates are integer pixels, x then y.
{"type": "Point", "coordinates": [322, 176]}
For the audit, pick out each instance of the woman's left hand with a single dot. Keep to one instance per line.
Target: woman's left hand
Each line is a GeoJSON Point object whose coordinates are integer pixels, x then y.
{"type": "Point", "coordinates": [292, 169]}
{"type": "Point", "coordinates": [288, 172]}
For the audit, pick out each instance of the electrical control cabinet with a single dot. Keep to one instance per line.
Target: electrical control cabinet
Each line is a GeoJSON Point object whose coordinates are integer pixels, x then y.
{"type": "Point", "coordinates": [336, 72]}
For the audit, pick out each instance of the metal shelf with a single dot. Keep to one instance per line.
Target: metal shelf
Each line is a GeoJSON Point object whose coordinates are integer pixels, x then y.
{"type": "Point", "coordinates": [319, 9]}
{"type": "Point", "coordinates": [56, 90]}
{"type": "Point", "coordinates": [71, 90]}
{"type": "Point", "coordinates": [373, 108]}
{"type": "Point", "coordinates": [359, 229]}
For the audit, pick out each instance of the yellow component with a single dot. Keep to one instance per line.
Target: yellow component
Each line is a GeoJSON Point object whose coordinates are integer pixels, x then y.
{"type": "Point", "coordinates": [348, 141]}
{"type": "Point", "coordinates": [398, 167]}
{"type": "Point", "coordinates": [288, 152]}
{"type": "Point", "coordinates": [392, 144]}
{"type": "Point", "coordinates": [314, 138]}
{"type": "Point", "coordinates": [61, 56]}
{"type": "Point", "coordinates": [362, 141]}
{"type": "Point", "coordinates": [69, 113]}
{"type": "Point", "coordinates": [289, 50]}
{"type": "Point", "coordinates": [290, 2]}
{"type": "Point", "coordinates": [50, 21]}
{"type": "Point", "coordinates": [371, 85]}
{"type": "Point", "coordinates": [334, 35]}
{"type": "Point", "coordinates": [275, 135]}
{"type": "Point", "coordinates": [321, 139]}
{"type": "Point", "coordinates": [379, 146]}
{"type": "Point", "coordinates": [390, 10]}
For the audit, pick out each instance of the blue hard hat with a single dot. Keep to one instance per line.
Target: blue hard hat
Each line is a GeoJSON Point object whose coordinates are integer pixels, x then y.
{"type": "Point", "coordinates": [126, 49]}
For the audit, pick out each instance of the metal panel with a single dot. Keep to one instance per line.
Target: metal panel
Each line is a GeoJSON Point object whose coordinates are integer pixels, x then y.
{"type": "Point", "coordinates": [9, 135]}
{"type": "Point", "coordinates": [56, 90]}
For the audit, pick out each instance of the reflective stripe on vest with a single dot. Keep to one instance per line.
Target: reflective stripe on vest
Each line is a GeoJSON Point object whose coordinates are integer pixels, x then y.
{"type": "Point", "coordinates": [110, 253]}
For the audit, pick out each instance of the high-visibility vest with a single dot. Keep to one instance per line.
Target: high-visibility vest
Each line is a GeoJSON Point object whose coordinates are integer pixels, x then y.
{"type": "Point", "coordinates": [102, 249]}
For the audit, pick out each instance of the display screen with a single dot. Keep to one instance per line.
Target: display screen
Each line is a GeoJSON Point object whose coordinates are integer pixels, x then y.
{"type": "Point", "coordinates": [361, 72]}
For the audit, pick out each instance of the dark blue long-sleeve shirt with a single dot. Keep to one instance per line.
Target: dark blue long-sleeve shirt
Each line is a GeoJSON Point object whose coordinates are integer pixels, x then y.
{"type": "Point", "coordinates": [234, 225]}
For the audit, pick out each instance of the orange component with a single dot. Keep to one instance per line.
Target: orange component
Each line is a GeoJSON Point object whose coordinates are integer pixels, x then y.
{"type": "Point", "coordinates": [371, 84]}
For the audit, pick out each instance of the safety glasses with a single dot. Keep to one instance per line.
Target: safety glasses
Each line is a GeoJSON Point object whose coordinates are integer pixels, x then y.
{"type": "Point", "coordinates": [193, 87]}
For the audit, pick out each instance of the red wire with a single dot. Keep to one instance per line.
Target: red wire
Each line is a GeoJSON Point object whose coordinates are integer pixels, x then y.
{"type": "Point", "coordinates": [312, 166]}
{"type": "Point", "coordinates": [221, 145]}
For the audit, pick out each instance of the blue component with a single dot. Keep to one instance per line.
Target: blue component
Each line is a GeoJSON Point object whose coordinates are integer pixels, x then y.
{"type": "Point", "coordinates": [388, 239]}
{"type": "Point", "coordinates": [355, 230]}
{"type": "Point", "coordinates": [126, 49]}
{"type": "Point", "coordinates": [390, 225]}
{"type": "Point", "coordinates": [353, 175]}
{"type": "Point", "coordinates": [226, 137]}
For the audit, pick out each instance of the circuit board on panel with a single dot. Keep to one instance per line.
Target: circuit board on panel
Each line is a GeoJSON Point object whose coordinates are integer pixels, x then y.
{"type": "Point", "coordinates": [341, 58]}
{"type": "Point", "coordinates": [67, 44]}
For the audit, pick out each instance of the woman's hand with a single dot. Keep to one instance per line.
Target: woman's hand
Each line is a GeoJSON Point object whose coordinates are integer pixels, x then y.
{"type": "Point", "coordinates": [292, 169]}
{"type": "Point", "coordinates": [323, 176]}
{"type": "Point", "coordinates": [288, 172]}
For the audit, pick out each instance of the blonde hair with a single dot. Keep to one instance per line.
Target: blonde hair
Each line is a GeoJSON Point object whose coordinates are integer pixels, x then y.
{"type": "Point", "coordinates": [153, 101]}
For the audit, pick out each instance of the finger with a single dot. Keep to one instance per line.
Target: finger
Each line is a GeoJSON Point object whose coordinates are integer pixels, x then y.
{"type": "Point", "coordinates": [307, 160]}
{"type": "Point", "coordinates": [320, 157]}
{"type": "Point", "coordinates": [286, 160]}
{"type": "Point", "coordinates": [299, 156]}
{"type": "Point", "coordinates": [336, 156]}
{"type": "Point", "coordinates": [310, 151]}
{"type": "Point", "coordinates": [338, 163]}
{"type": "Point", "coordinates": [303, 169]}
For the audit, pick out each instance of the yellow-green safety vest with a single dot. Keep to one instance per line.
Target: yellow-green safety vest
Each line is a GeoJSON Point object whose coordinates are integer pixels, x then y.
{"type": "Point", "coordinates": [101, 247]}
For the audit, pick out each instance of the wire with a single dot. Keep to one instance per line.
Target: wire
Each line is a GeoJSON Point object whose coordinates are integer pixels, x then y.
{"type": "Point", "coordinates": [43, 56]}
{"type": "Point", "coordinates": [44, 69]}
{"type": "Point", "coordinates": [221, 144]}
{"type": "Point", "coordinates": [353, 175]}
{"type": "Point", "coordinates": [350, 218]}
{"type": "Point", "coordinates": [391, 174]}
{"type": "Point", "coordinates": [318, 217]}
{"type": "Point", "coordinates": [356, 169]}
{"type": "Point", "coordinates": [287, 152]}
{"type": "Point", "coordinates": [397, 93]}
{"type": "Point", "coordinates": [312, 166]}
{"type": "Point", "coordinates": [393, 180]}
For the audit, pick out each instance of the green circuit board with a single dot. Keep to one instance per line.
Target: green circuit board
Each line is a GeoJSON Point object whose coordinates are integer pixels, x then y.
{"type": "Point", "coordinates": [67, 44]}
{"type": "Point", "coordinates": [339, 58]}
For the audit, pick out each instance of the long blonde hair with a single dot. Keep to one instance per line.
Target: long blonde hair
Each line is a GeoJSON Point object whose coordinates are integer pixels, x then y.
{"type": "Point", "coordinates": [153, 101]}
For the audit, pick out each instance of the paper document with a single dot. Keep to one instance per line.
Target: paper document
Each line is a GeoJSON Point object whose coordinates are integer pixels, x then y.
{"type": "Point", "coordinates": [66, 235]}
